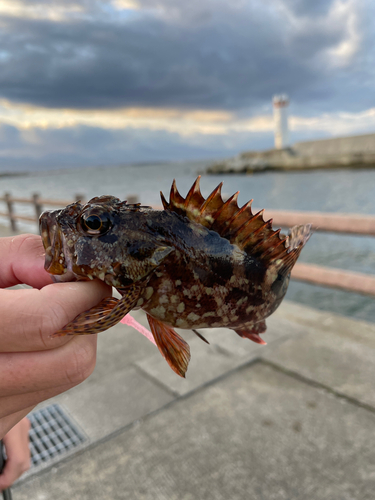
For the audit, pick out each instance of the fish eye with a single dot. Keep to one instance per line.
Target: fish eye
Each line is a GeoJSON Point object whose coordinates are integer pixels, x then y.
{"type": "Point", "coordinates": [96, 224]}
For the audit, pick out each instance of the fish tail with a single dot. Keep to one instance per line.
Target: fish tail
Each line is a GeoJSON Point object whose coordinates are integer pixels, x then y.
{"type": "Point", "coordinates": [297, 238]}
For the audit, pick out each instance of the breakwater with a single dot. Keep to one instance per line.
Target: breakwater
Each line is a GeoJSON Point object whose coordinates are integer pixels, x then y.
{"type": "Point", "coordinates": [342, 152]}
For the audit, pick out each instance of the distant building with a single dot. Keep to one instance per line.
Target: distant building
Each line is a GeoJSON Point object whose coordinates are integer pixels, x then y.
{"type": "Point", "coordinates": [280, 114]}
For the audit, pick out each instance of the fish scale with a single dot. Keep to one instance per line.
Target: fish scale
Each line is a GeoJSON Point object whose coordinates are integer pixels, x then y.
{"type": "Point", "coordinates": [199, 263]}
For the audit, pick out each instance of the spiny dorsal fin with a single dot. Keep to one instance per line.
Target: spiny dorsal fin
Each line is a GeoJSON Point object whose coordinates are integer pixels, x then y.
{"type": "Point", "coordinates": [240, 226]}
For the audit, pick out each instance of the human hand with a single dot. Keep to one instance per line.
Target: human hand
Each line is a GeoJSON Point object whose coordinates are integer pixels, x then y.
{"type": "Point", "coordinates": [16, 443]}
{"type": "Point", "coordinates": [34, 366]}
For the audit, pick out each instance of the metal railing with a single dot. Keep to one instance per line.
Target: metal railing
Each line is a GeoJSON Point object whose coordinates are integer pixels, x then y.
{"type": "Point", "coordinates": [36, 201]}
{"type": "Point", "coordinates": [38, 204]}
{"type": "Point", "coordinates": [362, 225]}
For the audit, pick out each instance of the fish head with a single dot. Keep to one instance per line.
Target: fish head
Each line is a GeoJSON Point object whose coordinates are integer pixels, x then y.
{"type": "Point", "coordinates": [82, 241]}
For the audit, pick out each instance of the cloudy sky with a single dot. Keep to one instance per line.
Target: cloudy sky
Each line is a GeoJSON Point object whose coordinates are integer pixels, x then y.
{"type": "Point", "coordinates": [88, 82]}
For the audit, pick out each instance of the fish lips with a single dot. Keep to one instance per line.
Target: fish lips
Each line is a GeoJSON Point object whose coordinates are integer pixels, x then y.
{"type": "Point", "coordinates": [51, 237]}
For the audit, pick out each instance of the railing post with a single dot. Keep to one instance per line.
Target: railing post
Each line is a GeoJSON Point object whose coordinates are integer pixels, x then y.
{"type": "Point", "coordinates": [37, 206]}
{"type": "Point", "coordinates": [12, 219]}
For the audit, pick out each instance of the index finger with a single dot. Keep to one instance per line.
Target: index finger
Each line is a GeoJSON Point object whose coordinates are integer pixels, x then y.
{"type": "Point", "coordinates": [22, 261]}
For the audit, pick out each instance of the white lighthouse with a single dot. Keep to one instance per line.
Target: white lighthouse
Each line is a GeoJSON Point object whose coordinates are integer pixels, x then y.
{"type": "Point", "coordinates": [280, 114]}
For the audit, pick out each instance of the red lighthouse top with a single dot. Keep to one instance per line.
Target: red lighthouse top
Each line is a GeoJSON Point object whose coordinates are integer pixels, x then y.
{"type": "Point", "coordinates": [280, 101]}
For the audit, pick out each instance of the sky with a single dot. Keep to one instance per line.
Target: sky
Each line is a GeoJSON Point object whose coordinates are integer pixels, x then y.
{"type": "Point", "coordinates": [101, 82]}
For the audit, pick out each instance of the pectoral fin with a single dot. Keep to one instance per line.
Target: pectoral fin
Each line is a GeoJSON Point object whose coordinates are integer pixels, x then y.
{"type": "Point", "coordinates": [173, 348]}
{"type": "Point", "coordinates": [103, 316]}
{"type": "Point", "coordinates": [253, 332]}
{"type": "Point", "coordinates": [144, 259]}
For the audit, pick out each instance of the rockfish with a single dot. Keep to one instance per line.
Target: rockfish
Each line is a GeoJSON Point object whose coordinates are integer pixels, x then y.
{"type": "Point", "coordinates": [199, 263]}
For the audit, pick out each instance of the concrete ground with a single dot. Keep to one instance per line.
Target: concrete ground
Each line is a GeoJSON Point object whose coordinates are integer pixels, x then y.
{"type": "Point", "coordinates": [292, 420]}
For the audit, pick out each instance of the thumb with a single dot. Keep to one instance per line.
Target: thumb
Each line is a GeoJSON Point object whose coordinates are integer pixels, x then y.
{"type": "Point", "coordinates": [22, 261]}
{"type": "Point", "coordinates": [29, 317]}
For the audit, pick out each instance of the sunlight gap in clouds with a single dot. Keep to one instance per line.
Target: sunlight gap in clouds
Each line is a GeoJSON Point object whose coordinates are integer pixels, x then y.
{"type": "Point", "coordinates": [39, 10]}
{"type": "Point", "coordinates": [182, 122]}
{"type": "Point", "coordinates": [336, 124]}
{"type": "Point", "coordinates": [126, 4]}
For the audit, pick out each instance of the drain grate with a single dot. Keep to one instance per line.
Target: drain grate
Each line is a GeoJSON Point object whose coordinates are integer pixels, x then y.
{"type": "Point", "coordinates": [52, 433]}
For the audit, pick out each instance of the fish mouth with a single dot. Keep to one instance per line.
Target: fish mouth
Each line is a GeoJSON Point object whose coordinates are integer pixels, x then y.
{"type": "Point", "coordinates": [51, 237]}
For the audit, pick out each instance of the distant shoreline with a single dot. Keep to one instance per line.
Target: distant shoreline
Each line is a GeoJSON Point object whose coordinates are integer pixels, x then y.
{"type": "Point", "coordinates": [13, 174]}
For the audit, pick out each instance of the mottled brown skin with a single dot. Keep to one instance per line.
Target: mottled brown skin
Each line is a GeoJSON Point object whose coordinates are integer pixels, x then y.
{"type": "Point", "coordinates": [206, 281]}
{"type": "Point", "coordinates": [180, 272]}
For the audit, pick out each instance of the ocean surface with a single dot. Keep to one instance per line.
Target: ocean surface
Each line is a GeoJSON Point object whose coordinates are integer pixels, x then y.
{"type": "Point", "coordinates": [342, 191]}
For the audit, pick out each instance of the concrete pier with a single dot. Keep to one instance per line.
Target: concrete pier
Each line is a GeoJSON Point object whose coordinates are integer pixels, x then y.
{"type": "Point", "coordinates": [291, 420]}
{"type": "Point", "coordinates": [340, 152]}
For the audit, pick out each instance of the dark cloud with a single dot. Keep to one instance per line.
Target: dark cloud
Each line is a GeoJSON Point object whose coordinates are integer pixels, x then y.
{"type": "Point", "coordinates": [196, 54]}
